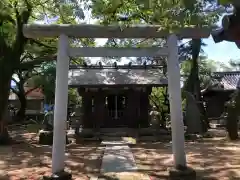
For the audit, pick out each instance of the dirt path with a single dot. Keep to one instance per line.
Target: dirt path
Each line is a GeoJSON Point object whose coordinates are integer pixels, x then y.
{"type": "Point", "coordinates": [29, 161]}
{"type": "Point", "coordinates": [212, 158]}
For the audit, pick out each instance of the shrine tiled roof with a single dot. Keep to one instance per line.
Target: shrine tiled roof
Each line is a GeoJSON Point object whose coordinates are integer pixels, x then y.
{"type": "Point", "coordinates": [228, 80]}
{"type": "Point", "coordinates": [88, 77]}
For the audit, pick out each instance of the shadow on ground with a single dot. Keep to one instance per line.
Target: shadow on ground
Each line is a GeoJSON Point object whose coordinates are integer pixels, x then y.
{"type": "Point", "coordinates": [28, 160]}
{"type": "Point", "coordinates": [212, 158]}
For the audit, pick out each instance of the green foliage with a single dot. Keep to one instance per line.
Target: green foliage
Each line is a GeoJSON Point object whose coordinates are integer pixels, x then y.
{"type": "Point", "coordinates": [235, 64]}
{"type": "Point", "coordinates": [225, 2]}
{"type": "Point", "coordinates": [190, 4]}
{"type": "Point", "coordinates": [46, 81]}
{"type": "Point", "coordinates": [168, 14]}
{"type": "Point", "coordinates": [159, 99]}
{"type": "Point", "coordinates": [206, 67]}
{"type": "Point", "coordinates": [22, 56]}
{"type": "Point", "coordinates": [73, 96]}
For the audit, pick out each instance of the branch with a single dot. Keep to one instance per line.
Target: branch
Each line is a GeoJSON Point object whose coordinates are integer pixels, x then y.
{"type": "Point", "coordinates": [26, 76]}
{"type": "Point", "coordinates": [41, 44]}
{"type": "Point", "coordinates": [154, 102]}
{"type": "Point", "coordinates": [5, 49]}
{"type": "Point", "coordinates": [27, 55]}
{"type": "Point", "coordinates": [20, 40]}
{"type": "Point", "coordinates": [6, 17]}
{"type": "Point", "coordinates": [74, 61]}
{"type": "Point", "coordinates": [29, 75]}
{"type": "Point", "coordinates": [37, 61]}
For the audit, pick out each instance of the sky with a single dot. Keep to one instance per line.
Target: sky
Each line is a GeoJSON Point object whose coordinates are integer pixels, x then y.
{"type": "Point", "coordinates": [223, 51]}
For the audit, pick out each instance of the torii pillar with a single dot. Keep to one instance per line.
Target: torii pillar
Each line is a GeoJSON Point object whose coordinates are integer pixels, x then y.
{"type": "Point", "coordinates": [175, 99]}
{"type": "Point", "coordinates": [60, 110]}
{"type": "Point", "coordinates": [180, 170]}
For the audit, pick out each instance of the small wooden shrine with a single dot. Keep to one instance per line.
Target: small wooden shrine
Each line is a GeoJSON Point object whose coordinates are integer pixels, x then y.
{"type": "Point", "coordinates": [115, 97]}
{"type": "Point", "coordinates": [223, 84]}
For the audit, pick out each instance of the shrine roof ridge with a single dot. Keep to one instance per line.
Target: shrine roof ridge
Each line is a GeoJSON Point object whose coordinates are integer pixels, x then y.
{"type": "Point", "coordinates": [107, 77]}
{"type": "Point", "coordinates": [110, 31]}
{"type": "Point", "coordinates": [223, 73]}
{"type": "Point", "coordinates": [125, 66]}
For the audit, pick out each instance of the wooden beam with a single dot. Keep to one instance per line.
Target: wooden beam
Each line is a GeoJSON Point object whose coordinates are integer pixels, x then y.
{"type": "Point", "coordinates": [116, 86]}
{"type": "Point", "coordinates": [92, 67]}
{"type": "Point", "coordinates": [117, 52]}
{"type": "Point", "coordinates": [99, 31]}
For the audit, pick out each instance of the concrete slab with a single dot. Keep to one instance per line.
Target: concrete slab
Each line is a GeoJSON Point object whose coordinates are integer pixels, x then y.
{"type": "Point", "coordinates": [117, 158]}
{"type": "Point", "coordinates": [124, 176]}
{"type": "Point", "coordinates": [112, 143]}
{"type": "Point", "coordinates": [122, 140]}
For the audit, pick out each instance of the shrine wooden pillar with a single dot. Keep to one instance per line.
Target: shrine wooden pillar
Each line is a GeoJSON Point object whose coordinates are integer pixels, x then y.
{"type": "Point", "coordinates": [144, 110]}
{"type": "Point", "coordinates": [87, 110]}
{"type": "Point", "coordinates": [99, 113]}
{"type": "Point", "coordinates": [132, 108]}
{"type": "Point", "coordinates": [83, 115]}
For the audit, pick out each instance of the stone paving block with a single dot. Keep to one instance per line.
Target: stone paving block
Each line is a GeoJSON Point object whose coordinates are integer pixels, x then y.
{"type": "Point", "coordinates": [117, 158]}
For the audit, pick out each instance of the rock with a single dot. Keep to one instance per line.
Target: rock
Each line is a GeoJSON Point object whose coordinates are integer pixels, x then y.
{"type": "Point", "coordinates": [182, 173]}
{"type": "Point", "coordinates": [86, 133]}
{"type": "Point", "coordinates": [147, 138]}
{"type": "Point", "coordinates": [46, 137]}
{"type": "Point", "coordinates": [232, 123]}
{"type": "Point", "coordinates": [208, 135]}
{"type": "Point", "coordinates": [153, 132]}
{"type": "Point", "coordinates": [59, 176]}
{"type": "Point", "coordinates": [193, 115]}
{"type": "Point", "coordinates": [5, 138]}
{"type": "Point", "coordinates": [193, 137]}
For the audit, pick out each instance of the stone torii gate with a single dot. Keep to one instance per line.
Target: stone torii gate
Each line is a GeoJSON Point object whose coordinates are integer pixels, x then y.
{"type": "Point", "coordinates": [97, 31]}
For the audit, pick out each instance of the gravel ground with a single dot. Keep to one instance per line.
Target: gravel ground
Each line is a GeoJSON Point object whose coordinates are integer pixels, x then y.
{"type": "Point", "coordinates": [212, 158]}
{"type": "Point", "coordinates": [30, 161]}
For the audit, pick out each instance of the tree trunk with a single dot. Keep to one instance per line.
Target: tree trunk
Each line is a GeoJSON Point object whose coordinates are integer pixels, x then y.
{"type": "Point", "coordinates": [5, 83]}
{"type": "Point", "coordinates": [193, 83]}
{"type": "Point", "coordinates": [23, 101]}
{"type": "Point", "coordinates": [9, 60]}
{"type": "Point", "coordinates": [232, 117]}
{"type": "Point", "coordinates": [21, 114]}
{"type": "Point", "coordinates": [231, 124]}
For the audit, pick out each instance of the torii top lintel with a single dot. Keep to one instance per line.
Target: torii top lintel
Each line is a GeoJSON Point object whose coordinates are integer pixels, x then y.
{"type": "Point", "coordinates": [99, 31]}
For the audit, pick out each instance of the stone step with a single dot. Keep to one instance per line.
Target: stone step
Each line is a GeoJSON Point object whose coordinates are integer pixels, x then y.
{"type": "Point", "coordinates": [118, 158]}
{"type": "Point", "coordinates": [114, 130]}
{"type": "Point", "coordinates": [154, 138]}
{"type": "Point", "coordinates": [124, 176]}
{"type": "Point", "coordinates": [117, 134]}
{"type": "Point", "coordinates": [108, 138]}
